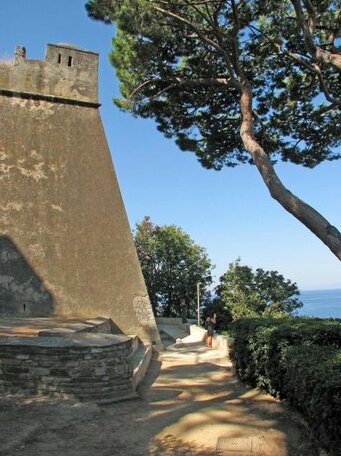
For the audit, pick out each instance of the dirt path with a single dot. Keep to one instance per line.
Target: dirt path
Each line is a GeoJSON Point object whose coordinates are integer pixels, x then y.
{"type": "Point", "coordinates": [186, 408]}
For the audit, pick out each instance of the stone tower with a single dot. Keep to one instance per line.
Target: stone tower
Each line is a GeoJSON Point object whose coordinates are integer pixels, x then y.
{"type": "Point", "coordinates": [65, 243]}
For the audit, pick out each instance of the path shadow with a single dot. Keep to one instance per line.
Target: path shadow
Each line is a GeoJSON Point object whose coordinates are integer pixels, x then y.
{"type": "Point", "coordinates": [183, 411]}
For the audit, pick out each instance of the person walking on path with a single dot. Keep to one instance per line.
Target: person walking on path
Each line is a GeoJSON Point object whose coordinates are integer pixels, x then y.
{"type": "Point", "coordinates": [210, 324]}
{"type": "Point", "coordinates": [183, 307]}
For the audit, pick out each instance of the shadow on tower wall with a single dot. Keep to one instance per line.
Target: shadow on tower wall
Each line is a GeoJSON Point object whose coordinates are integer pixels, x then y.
{"type": "Point", "coordinates": [22, 292]}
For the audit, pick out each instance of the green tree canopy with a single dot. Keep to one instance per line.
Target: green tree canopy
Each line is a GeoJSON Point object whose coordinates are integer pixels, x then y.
{"type": "Point", "coordinates": [172, 265]}
{"type": "Point", "coordinates": [236, 81]}
{"type": "Point", "coordinates": [243, 292]}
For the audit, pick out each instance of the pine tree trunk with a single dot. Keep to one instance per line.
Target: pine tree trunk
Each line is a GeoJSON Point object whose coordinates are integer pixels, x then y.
{"type": "Point", "coordinates": [314, 221]}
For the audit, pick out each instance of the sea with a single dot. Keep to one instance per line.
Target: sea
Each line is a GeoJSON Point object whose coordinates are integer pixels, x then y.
{"type": "Point", "coordinates": [321, 303]}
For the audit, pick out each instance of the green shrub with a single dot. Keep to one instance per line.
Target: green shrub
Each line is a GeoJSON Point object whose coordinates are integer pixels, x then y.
{"type": "Point", "coordinates": [312, 383]}
{"type": "Point", "coordinates": [247, 349]}
{"type": "Point", "coordinates": [268, 353]}
{"type": "Point", "coordinates": [258, 342]}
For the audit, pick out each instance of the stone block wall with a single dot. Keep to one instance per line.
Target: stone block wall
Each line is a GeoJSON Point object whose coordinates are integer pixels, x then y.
{"type": "Point", "coordinates": [66, 72]}
{"type": "Point", "coordinates": [84, 366]}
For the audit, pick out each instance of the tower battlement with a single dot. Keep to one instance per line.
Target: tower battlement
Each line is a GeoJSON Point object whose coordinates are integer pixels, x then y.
{"type": "Point", "coordinates": [66, 73]}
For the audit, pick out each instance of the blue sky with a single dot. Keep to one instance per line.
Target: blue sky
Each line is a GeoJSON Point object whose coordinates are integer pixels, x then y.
{"type": "Point", "coordinates": [229, 212]}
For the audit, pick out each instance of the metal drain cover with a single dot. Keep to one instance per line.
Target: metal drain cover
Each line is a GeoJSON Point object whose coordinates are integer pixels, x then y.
{"type": "Point", "coordinates": [236, 445]}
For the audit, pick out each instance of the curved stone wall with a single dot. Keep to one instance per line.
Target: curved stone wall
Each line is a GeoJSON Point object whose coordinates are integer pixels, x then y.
{"type": "Point", "coordinates": [83, 366]}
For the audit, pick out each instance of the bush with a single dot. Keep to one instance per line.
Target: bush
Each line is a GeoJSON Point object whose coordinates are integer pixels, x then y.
{"type": "Point", "coordinates": [312, 383]}
{"type": "Point", "coordinates": [268, 353]}
{"type": "Point", "coordinates": [258, 341]}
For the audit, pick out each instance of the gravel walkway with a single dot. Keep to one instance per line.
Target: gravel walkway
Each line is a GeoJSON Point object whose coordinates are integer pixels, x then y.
{"type": "Point", "coordinates": [190, 404]}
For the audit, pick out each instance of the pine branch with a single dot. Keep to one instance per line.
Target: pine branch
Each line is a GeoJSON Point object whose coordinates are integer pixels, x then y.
{"type": "Point", "coordinates": [203, 37]}
{"type": "Point", "coordinates": [322, 56]}
{"type": "Point", "coordinates": [299, 58]}
{"type": "Point", "coordinates": [181, 82]}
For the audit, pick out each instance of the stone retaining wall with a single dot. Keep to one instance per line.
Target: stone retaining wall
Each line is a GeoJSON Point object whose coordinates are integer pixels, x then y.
{"type": "Point", "coordinates": [83, 366]}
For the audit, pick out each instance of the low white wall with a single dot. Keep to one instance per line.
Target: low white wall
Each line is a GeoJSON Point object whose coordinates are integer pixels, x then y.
{"type": "Point", "coordinates": [197, 332]}
{"type": "Point", "coordinates": [219, 342]}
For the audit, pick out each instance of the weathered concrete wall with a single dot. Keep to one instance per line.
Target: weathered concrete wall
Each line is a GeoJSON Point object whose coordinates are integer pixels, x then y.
{"type": "Point", "coordinates": [22, 292]}
{"type": "Point", "coordinates": [65, 72]}
{"type": "Point", "coordinates": [61, 212]}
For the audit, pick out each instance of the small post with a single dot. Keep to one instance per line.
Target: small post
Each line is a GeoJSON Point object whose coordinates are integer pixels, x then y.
{"type": "Point", "coordinates": [198, 302]}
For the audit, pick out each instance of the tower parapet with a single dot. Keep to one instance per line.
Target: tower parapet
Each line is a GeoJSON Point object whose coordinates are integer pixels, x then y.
{"type": "Point", "coordinates": [67, 73]}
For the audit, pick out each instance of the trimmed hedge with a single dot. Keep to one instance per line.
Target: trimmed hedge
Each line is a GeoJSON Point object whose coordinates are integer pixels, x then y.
{"type": "Point", "coordinates": [312, 383]}
{"type": "Point", "coordinates": [298, 359]}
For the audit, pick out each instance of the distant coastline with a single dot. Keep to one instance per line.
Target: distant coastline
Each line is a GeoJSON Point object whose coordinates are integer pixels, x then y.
{"type": "Point", "coordinates": [324, 303]}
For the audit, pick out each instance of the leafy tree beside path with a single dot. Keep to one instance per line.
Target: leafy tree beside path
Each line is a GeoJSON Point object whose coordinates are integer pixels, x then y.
{"type": "Point", "coordinates": [236, 81]}
{"type": "Point", "coordinates": [172, 265]}
{"type": "Point", "coordinates": [243, 292]}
